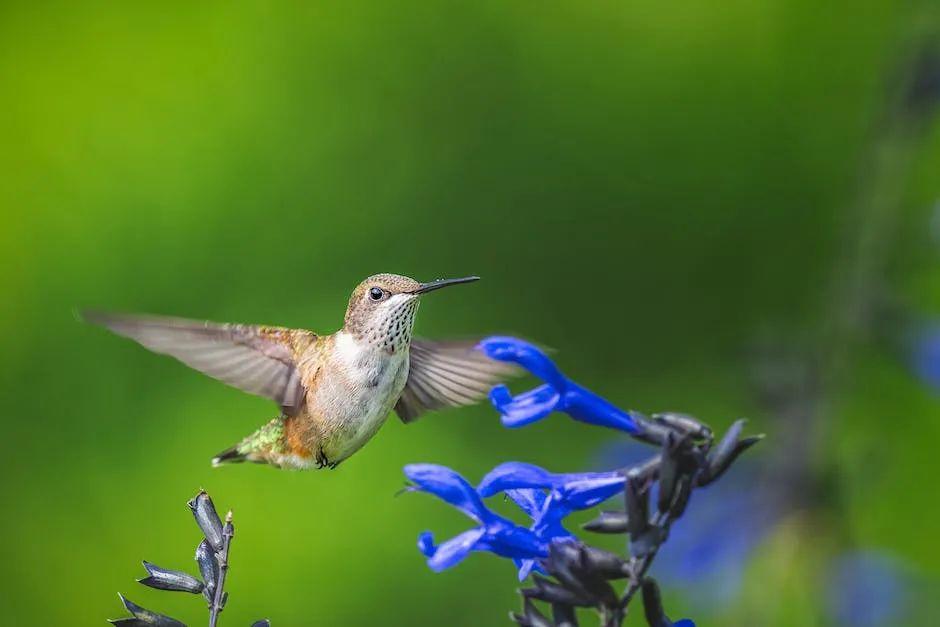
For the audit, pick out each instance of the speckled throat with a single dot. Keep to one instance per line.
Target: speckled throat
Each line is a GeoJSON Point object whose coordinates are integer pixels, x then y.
{"type": "Point", "coordinates": [390, 328]}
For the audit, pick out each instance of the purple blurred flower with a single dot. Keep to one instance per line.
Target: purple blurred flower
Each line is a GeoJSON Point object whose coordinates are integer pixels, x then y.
{"type": "Point", "coordinates": [557, 394]}
{"type": "Point", "coordinates": [925, 355]}
{"type": "Point", "coordinates": [868, 589]}
{"type": "Point", "coordinates": [709, 547]}
{"type": "Point", "coordinates": [495, 533]}
{"type": "Point", "coordinates": [620, 453]}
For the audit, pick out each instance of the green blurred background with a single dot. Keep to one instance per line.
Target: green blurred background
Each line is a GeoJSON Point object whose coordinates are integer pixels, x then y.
{"type": "Point", "coordinates": [671, 196]}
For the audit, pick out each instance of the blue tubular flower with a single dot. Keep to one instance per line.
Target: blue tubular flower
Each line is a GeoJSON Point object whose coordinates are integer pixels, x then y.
{"type": "Point", "coordinates": [546, 522]}
{"type": "Point", "coordinates": [495, 533]}
{"type": "Point", "coordinates": [570, 491]}
{"type": "Point", "coordinates": [449, 486]}
{"type": "Point", "coordinates": [545, 514]}
{"type": "Point", "coordinates": [524, 484]}
{"type": "Point", "coordinates": [529, 500]}
{"type": "Point", "coordinates": [557, 394]}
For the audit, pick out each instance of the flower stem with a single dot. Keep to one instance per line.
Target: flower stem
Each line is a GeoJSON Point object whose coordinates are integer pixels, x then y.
{"type": "Point", "coordinates": [218, 600]}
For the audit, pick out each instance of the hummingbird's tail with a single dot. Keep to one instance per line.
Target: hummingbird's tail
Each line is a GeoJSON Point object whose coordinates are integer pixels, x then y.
{"type": "Point", "coordinates": [264, 446]}
{"type": "Point", "coordinates": [229, 456]}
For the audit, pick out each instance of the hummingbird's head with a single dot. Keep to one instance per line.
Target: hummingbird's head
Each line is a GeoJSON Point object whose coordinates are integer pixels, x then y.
{"type": "Point", "coordinates": [382, 308]}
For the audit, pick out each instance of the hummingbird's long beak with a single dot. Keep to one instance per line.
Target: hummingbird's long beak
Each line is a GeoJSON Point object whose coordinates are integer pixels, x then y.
{"type": "Point", "coordinates": [438, 284]}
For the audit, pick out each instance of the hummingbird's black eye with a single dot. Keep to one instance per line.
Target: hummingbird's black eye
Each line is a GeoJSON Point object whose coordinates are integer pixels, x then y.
{"type": "Point", "coordinates": [376, 293]}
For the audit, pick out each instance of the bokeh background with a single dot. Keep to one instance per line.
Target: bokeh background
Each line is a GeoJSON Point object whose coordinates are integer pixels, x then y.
{"type": "Point", "coordinates": [726, 210]}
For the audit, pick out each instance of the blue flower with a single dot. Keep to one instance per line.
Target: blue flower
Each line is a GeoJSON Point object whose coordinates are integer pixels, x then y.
{"type": "Point", "coordinates": [524, 484]}
{"type": "Point", "coordinates": [557, 394]}
{"type": "Point", "coordinates": [869, 589]}
{"type": "Point", "coordinates": [570, 492]}
{"type": "Point", "coordinates": [546, 522]}
{"type": "Point", "coordinates": [925, 355]}
{"type": "Point", "coordinates": [495, 533]}
{"type": "Point", "coordinates": [708, 550]}
{"type": "Point", "coordinates": [546, 517]}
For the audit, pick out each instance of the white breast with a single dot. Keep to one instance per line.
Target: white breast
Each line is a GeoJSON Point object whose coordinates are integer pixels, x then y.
{"type": "Point", "coordinates": [366, 384]}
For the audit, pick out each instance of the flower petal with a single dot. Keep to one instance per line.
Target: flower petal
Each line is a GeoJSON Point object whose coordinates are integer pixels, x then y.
{"type": "Point", "coordinates": [548, 525]}
{"type": "Point", "coordinates": [426, 544]}
{"type": "Point", "coordinates": [574, 490]}
{"type": "Point", "coordinates": [529, 500]}
{"type": "Point", "coordinates": [530, 357]}
{"type": "Point", "coordinates": [449, 486]}
{"type": "Point", "coordinates": [559, 393]}
{"type": "Point", "coordinates": [526, 567]}
{"type": "Point", "coordinates": [453, 551]}
{"type": "Point", "coordinates": [586, 406]}
{"type": "Point", "coordinates": [525, 408]}
{"type": "Point", "coordinates": [511, 475]}
{"type": "Point", "coordinates": [585, 490]}
{"type": "Point", "coordinates": [509, 540]}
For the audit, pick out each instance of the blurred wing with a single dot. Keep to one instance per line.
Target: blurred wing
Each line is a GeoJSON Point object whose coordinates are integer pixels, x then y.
{"type": "Point", "coordinates": [448, 374]}
{"type": "Point", "coordinates": [255, 359]}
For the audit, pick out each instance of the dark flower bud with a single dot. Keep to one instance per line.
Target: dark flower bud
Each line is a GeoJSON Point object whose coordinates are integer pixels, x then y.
{"type": "Point", "coordinates": [653, 605]}
{"type": "Point", "coordinates": [208, 568]}
{"type": "Point", "coordinates": [681, 499]}
{"type": "Point", "coordinates": [568, 562]}
{"type": "Point", "coordinates": [642, 544]}
{"type": "Point", "coordinates": [174, 580]}
{"type": "Point", "coordinates": [144, 616]}
{"type": "Point", "coordinates": [645, 472]}
{"type": "Point", "coordinates": [604, 563]}
{"type": "Point", "coordinates": [739, 448]}
{"type": "Point", "coordinates": [683, 423]}
{"type": "Point", "coordinates": [550, 592]}
{"type": "Point", "coordinates": [649, 431]}
{"type": "Point", "coordinates": [727, 442]}
{"type": "Point", "coordinates": [531, 617]}
{"type": "Point", "coordinates": [668, 471]}
{"type": "Point", "coordinates": [608, 522]}
{"type": "Point", "coordinates": [207, 519]}
{"type": "Point", "coordinates": [593, 579]}
{"type": "Point", "coordinates": [725, 452]}
{"type": "Point", "coordinates": [228, 530]}
{"type": "Point", "coordinates": [564, 615]}
{"type": "Point", "coordinates": [637, 506]}
{"type": "Point", "coordinates": [562, 562]}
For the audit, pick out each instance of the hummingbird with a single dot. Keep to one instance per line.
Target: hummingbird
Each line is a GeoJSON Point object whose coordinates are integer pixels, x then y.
{"type": "Point", "coordinates": [334, 391]}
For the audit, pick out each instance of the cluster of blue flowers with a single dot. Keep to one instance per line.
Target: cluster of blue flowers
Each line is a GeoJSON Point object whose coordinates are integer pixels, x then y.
{"type": "Point", "coordinates": [525, 484]}
{"type": "Point", "coordinates": [545, 548]}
